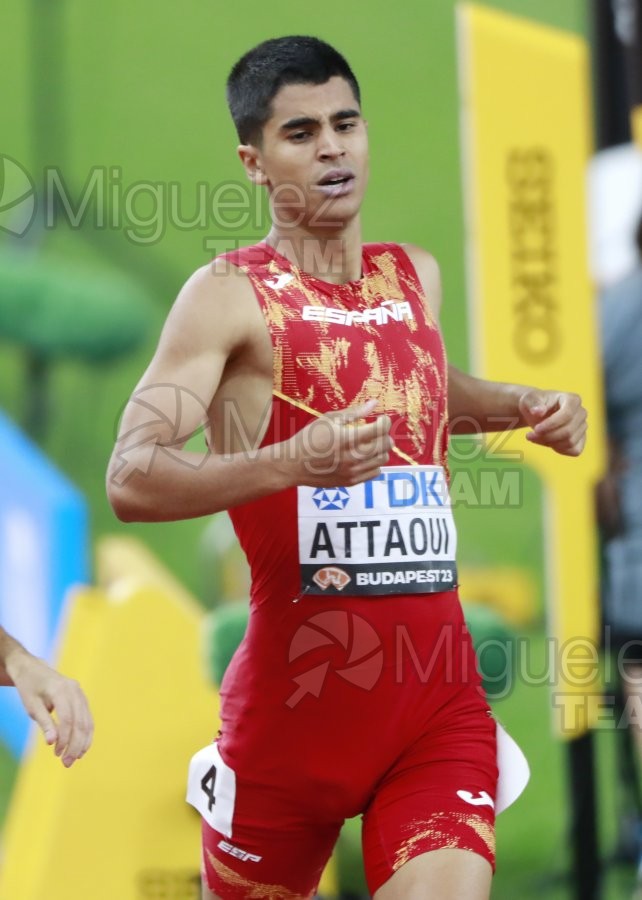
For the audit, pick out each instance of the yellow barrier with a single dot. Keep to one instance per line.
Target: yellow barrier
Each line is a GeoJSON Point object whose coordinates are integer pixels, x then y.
{"type": "Point", "coordinates": [116, 826]}
{"type": "Point", "coordinates": [124, 563]}
{"type": "Point", "coordinates": [526, 143]}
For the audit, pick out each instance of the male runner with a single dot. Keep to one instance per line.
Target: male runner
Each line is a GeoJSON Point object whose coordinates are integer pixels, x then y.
{"type": "Point", "coordinates": [43, 690]}
{"type": "Point", "coordinates": [354, 690]}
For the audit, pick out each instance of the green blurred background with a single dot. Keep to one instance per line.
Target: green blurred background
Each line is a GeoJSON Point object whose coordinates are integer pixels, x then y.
{"type": "Point", "coordinates": [138, 90]}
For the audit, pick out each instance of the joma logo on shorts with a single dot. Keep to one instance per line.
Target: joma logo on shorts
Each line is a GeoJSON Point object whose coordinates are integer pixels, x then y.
{"type": "Point", "coordinates": [238, 853]}
{"type": "Point", "coordinates": [482, 799]}
{"type": "Point", "coordinates": [389, 311]}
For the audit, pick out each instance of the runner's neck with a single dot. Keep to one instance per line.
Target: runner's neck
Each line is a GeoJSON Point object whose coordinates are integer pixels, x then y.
{"type": "Point", "coordinates": [335, 258]}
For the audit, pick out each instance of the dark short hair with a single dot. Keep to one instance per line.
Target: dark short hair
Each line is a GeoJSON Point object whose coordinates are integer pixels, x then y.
{"type": "Point", "coordinates": [259, 75]}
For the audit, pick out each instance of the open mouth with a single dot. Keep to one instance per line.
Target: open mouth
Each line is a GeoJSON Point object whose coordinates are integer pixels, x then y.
{"type": "Point", "coordinates": [341, 180]}
{"type": "Point", "coordinates": [337, 176]}
{"type": "Point", "coordinates": [336, 183]}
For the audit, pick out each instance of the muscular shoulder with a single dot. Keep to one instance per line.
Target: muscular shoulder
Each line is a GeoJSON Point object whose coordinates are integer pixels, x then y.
{"type": "Point", "coordinates": [214, 309]}
{"type": "Point", "coordinates": [427, 269]}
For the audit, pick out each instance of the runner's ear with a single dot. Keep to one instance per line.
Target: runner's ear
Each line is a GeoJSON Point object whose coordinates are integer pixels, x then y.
{"type": "Point", "coordinates": [249, 156]}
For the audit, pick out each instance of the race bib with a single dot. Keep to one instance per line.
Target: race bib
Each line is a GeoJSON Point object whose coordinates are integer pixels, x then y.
{"type": "Point", "coordinates": [394, 534]}
{"type": "Point", "coordinates": [211, 789]}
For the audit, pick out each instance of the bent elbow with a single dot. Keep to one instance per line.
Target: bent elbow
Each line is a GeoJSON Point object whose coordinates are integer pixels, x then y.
{"type": "Point", "coordinates": [121, 507]}
{"type": "Point", "coordinates": [123, 501]}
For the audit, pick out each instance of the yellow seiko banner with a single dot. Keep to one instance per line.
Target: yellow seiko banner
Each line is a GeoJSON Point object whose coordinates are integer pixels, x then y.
{"type": "Point", "coordinates": [526, 142]}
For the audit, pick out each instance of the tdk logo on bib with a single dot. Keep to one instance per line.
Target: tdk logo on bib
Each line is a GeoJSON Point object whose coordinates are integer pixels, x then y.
{"type": "Point", "coordinates": [394, 534]}
{"type": "Point", "coordinates": [400, 489]}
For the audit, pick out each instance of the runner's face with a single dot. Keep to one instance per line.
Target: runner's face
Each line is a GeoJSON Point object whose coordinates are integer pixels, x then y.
{"type": "Point", "coordinates": [314, 155]}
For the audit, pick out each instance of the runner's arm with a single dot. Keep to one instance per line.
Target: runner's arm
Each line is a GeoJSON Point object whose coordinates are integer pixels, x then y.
{"type": "Point", "coordinates": [151, 477]}
{"type": "Point", "coordinates": [556, 419]}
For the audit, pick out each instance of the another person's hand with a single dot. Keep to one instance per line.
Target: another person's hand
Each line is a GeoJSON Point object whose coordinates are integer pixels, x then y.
{"type": "Point", "coordinates": [43, 691]}
{"type": "Point", "coordinates": [556, 419]}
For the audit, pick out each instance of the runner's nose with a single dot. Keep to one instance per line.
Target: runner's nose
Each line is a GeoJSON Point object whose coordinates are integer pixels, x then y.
{"type": "Point", "coordinates": [330, 146]}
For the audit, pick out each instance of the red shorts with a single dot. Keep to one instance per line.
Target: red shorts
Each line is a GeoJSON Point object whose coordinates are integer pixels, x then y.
{"type": "Point", "coordinates": [426, 803]}
{"type": "Point", "coordinates": [415, 755]}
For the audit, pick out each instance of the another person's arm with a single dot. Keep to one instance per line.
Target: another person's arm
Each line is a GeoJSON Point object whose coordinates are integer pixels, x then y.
{"type": "Point", "coordinates": [619, 308]}
{"type": "Point", "coordinates": [43, 691]}
{"type": "Point", "coordinates": [608, 504]}
{"type": "Point", "coordinates": [556, 419]}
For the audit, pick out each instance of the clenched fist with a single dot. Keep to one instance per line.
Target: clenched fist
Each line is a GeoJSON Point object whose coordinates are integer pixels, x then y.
{"type": "Point", "coordinates": [556, 419]}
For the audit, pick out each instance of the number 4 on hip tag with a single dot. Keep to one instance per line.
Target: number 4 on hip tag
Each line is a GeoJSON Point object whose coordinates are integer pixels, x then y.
{"type": "Point", "coordinates": [211, 789]}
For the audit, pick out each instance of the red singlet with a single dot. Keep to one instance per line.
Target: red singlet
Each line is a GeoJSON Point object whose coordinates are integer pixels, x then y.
{"type": "Point", "coordinates": [339, 705]}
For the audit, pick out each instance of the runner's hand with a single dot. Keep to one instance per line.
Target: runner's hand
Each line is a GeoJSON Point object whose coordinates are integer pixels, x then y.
{"type": "Point", "coordinates": [556, 419]}
{"type": "Point", "coordinates": [335, 450]}
{"type": "Point", "coordinates": [43, 690]}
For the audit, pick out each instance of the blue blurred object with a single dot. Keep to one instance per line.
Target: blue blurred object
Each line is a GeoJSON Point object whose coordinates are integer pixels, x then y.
{"type": "Point", "coordinates": [43, 552]}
